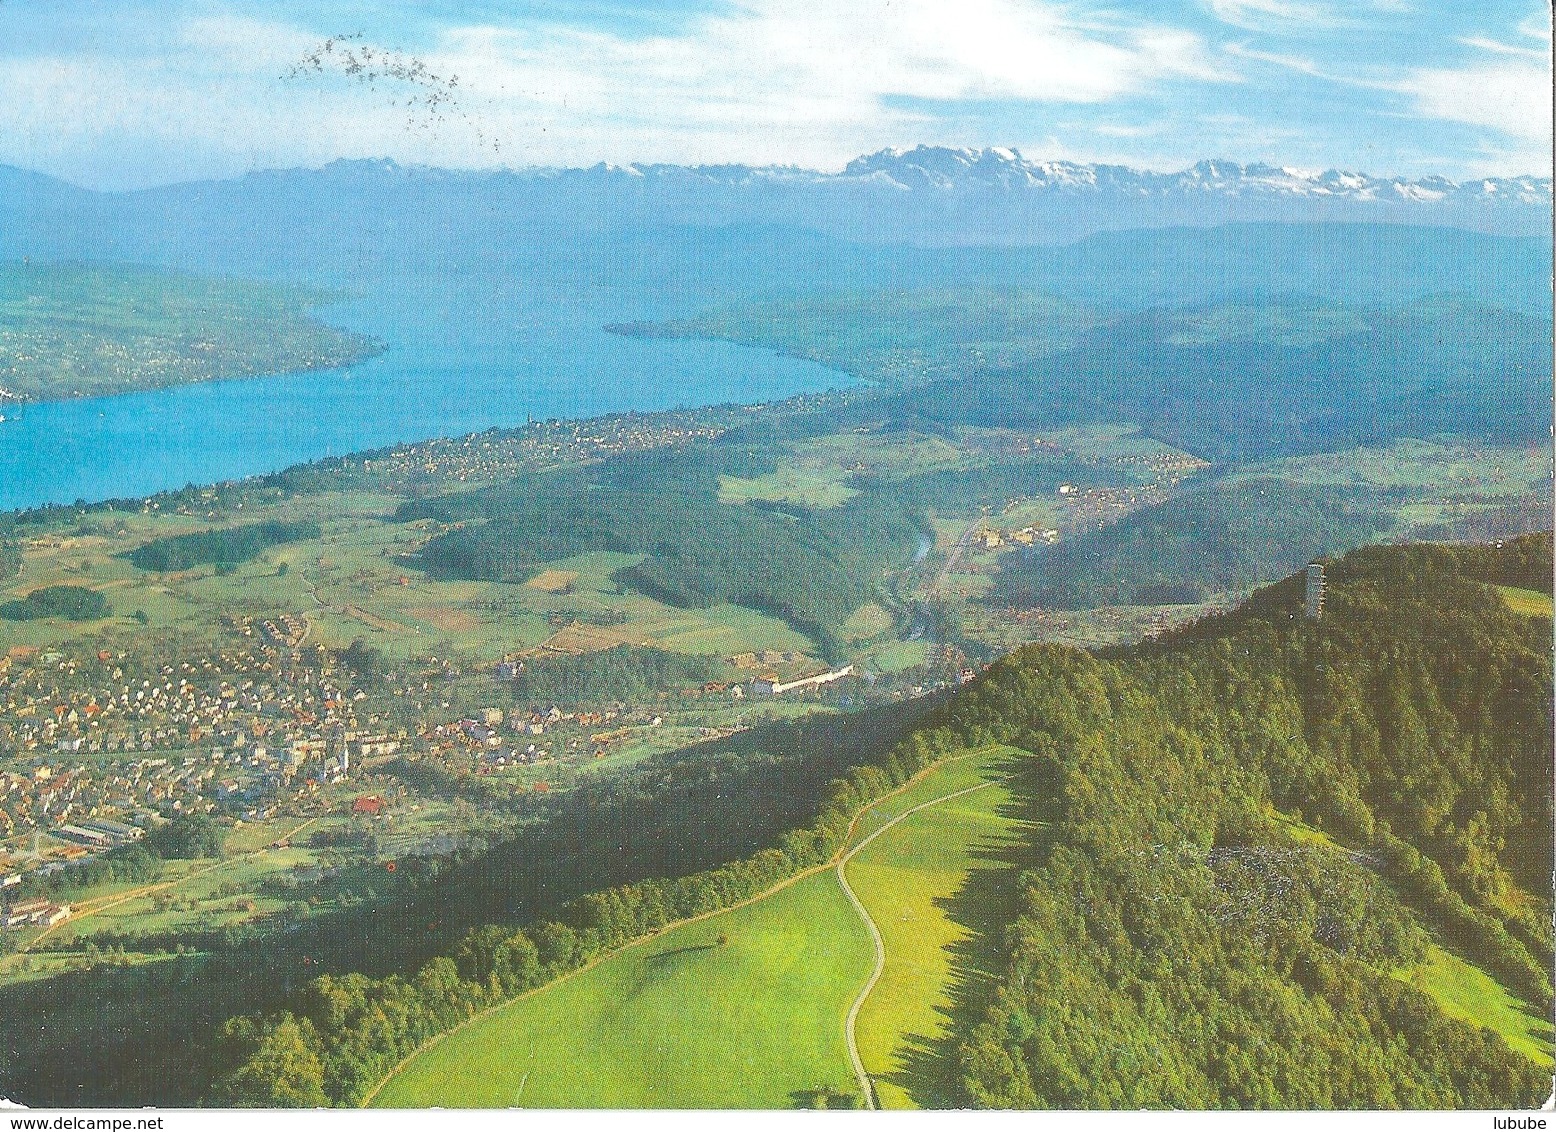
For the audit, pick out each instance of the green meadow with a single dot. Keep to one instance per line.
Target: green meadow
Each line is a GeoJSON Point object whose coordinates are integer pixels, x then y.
{"type": "Point", "coordinates": [930, 882]}
{"type": "Point", "coordinates": [1465, 992]}
{"type": "Point", "coordinates": [678, 1021]}
{"type": "Point", "coordinates": [1531, 603]}
{"type": "Point", "coordinates": [684, 1020]}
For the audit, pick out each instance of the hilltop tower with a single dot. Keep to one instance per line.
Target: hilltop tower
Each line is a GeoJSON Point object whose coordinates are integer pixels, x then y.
{"type": "Point", "coordinates": [1313, 607]}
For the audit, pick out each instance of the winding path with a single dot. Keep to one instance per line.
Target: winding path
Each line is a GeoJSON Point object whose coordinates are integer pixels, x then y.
{"type": "Point", "coordinates": [865, 1084]}
{"type": "Point", "coordinates": [843, 859]}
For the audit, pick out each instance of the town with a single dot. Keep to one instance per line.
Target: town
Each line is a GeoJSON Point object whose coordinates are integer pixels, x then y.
{"type": "Point", "coordinates": [99, 747]}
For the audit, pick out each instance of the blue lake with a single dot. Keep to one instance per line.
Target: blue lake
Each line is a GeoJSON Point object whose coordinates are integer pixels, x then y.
{"type": "Point", "coordinates": [449, 370]}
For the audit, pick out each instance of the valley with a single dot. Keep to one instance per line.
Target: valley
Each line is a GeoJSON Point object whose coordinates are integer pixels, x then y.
{"type": "Point", "coordinates": [776, 754]}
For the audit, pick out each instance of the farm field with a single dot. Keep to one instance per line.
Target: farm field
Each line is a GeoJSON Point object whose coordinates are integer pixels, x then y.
{"type": "Point", "coordinates": [678, 1021]}
{"type": "Point", "coordinates": [1433, 489]}
{"type": "Point", "coordinates": [350, 583]}
{"type": "Point", "coordinates": [1486, 469]}
{"type": "Point", "coordinates": [817, 474]}
{"type": "Point", "coordinates": [359, 578]}
{"type": "Point", "coordinates": [681, 1020]}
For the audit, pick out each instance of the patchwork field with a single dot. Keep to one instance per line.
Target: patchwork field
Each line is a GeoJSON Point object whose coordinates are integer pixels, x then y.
{"type": "Point", "coordinates": [817, 475]}
{"type": "Point", "coordinates": [351, 583]}
{"type": "Point", "coordinates": [359, 577]}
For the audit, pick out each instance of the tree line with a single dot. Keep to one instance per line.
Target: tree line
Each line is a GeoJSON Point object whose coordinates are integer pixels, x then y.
{"type": "Point", "coordinates": [1181, 947]}
{"type": "Point", "coordinates": [347, 1033]}
{"type": "Point", "coordinates": [226, 546]}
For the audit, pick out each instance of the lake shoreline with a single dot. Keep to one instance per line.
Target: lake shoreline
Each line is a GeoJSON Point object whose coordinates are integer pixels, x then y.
{"type": "Point", "coordinates": [421, 389]}
{"type": "Point", "coordinates": [410, 450]}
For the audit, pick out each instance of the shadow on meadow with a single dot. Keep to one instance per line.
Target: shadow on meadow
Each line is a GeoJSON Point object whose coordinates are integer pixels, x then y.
{"type": "Point", "coordinates": [987, 901]}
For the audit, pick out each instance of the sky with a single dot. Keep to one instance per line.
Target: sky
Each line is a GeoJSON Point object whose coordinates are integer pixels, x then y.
{"type": "Point", "coordinates": [119, 94]}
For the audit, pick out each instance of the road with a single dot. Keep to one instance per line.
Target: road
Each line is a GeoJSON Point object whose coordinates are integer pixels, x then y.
{"type": "Point", "coordinates": [87, 908]}
{"type": "Point", "coordinates": [865, 1084]}
{"type": "Point", "coordinates": [955, 556]}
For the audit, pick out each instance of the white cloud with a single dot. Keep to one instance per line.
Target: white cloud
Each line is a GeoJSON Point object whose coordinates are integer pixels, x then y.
{"type": "Point", "coordinates": [1537, 29]}
{"type": "Point", "coordinates": [772, 80]}
{"type": "Point", "coordinates": [1510, 92]}
{"type": "Point", "coordinates": [840, 71]}
{"type": "Point", "coordinates": [1297, 16]}
{"type": "Point", "coordinates": [1275, 15]}
{"type": "Point", "coordinates": [1496, 47]}
{"type": "Point", "coordinates": [1298, 63]}
{"type": "Point", "coordinates": [1511, 97]}
{"type": "Point", "coordinates": [786, 81]}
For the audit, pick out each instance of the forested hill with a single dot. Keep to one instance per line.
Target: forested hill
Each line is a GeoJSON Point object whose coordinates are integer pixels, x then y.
{"type": "Point", "coordinates": [1246, 839]}
{"type": "Point", "coordinates": [1263, 375]}
{"type": "Point", "coordinates": [1185, 944]}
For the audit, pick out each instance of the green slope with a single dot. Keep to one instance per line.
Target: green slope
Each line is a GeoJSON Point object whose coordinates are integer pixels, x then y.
{"type": "Point", "coordinates": [679, 1021]}
{"type": "Point", "coordinates": [758, 1021]}
{"type": "Point", "coordinates": [930, 883]}
{"type": "Point", "coordinates": [1465, 992]}
{"type": "Point", "coordinates": [1531, 603]}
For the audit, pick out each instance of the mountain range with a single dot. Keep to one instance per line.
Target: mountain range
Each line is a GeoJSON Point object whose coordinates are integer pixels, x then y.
{"type": "Point", "coordinates": [926, 195]}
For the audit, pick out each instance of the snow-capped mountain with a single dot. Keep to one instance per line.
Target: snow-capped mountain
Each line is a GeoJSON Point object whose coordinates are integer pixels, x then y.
{"type": "Point", "coordinates": [927, 195]}
{"type": "Point", "coordinates": [1007, 169]}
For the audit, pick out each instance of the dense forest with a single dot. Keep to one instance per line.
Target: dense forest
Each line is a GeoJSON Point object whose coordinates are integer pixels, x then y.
{"type": "Point", "coordinates": [1181, 941]}
{"type": "Point", "coordinates": [227, 546]}
{"type": "Point", "coordinates": [625, 673]}
{"type": "Point", "coordinates": [1234, 382]}
{"type": "Point", "coordinates": [812, 567]}
{"type": "Point", "coordinates": [1180, 948]}
{"type": "Point", "coordinates": [71, 603]}
{"type": "Point", "coordinates": [1221, 537]}
{"type": "Point", "coordinates": [906, 337]}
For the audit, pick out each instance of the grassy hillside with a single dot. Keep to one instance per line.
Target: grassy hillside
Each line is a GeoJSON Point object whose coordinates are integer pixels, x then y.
{"type": "Point", "coordinates": [1531, 603]}
{"type": "Point", "coordinates": [695, 808]}
{"type": "Point", "coordinates": [87, 331]}
{"type": "Point", "coordinates": [1467, 993]}
{"type": "Point", "coordinates": [938, 885]}
{"type": "Point", "coordinates": [681, 1021]}
{"type": "Point", "coordinates": [745, 1008]}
